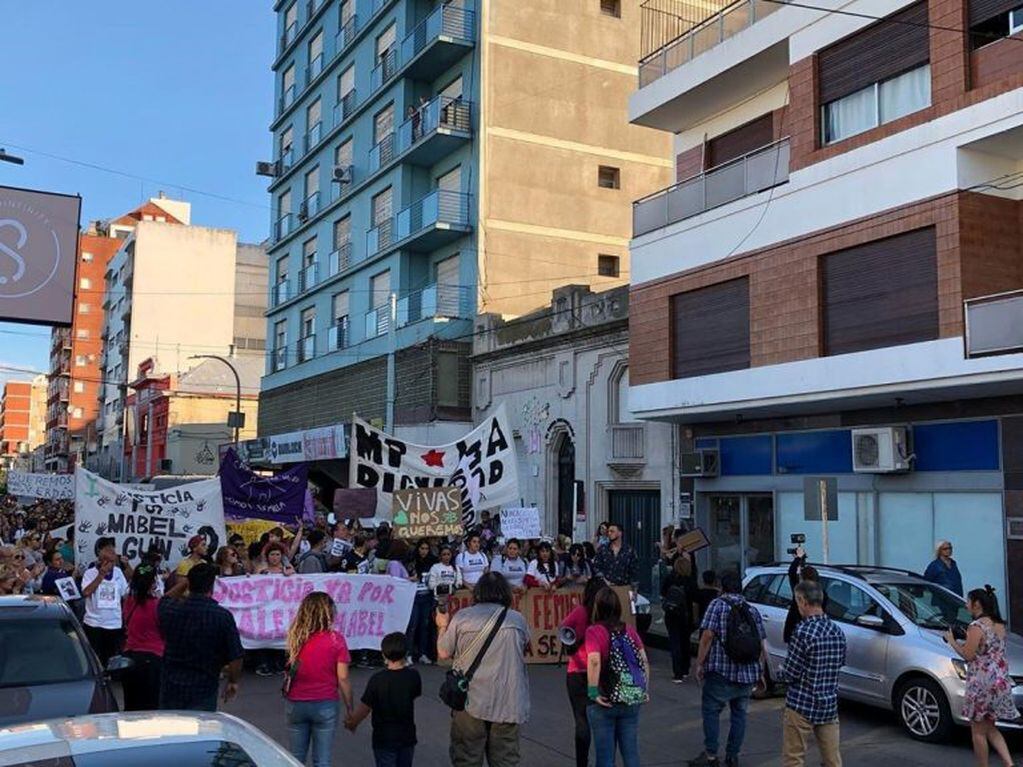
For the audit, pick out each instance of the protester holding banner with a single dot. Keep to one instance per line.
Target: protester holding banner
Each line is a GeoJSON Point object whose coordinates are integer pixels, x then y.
{"type": "Point", "coordinates": [511, 565]}
{"type": "Point", "coordinates": [577, 570]}
{"type": "Point", "coordinates": [104, 586]}
{"type": "Point", "coordinates": [275, 563]}
{"type": "Point", "coordinates": [227, 562]}
{"type": "Point", "coordinates": [544, 571]}
{"type": "Point", "coordinates": [444, 576]}
{"type": "Point", "coordinates": [318, 661]}
{"type": "Point", "coordinates": [472, 562]}
{"type": "Point", "coordinates": [143, 641]}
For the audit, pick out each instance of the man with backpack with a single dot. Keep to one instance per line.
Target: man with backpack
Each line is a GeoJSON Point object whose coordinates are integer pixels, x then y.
{"type": "Point", "coordinates": [728, 666]}
{"type": "Point", "coordinates": [314, 560]}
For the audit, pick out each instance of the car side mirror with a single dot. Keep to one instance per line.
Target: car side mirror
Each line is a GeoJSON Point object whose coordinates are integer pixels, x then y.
{"type": "Point", "coordinates": [871, 622]}
{"type": "Point", "coordinates": [119, 664]}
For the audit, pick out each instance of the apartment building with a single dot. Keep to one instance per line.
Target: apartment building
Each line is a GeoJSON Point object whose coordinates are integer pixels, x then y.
{"type": "Point", "coordinates": [75, 352]}
{"type": "Point", "coordinates": [15, 420]}
{"type": "Point", "coordinates": [831, 287]}
{"type": "Point", "coordinates": [433, 160]}
{"type": "Point", "coordinates": [173, 291]}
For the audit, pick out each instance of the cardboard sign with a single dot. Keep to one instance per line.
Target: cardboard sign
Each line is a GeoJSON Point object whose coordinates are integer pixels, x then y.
{"type": "Point", "coordinates": [54, 487]}
{"type": "Point", "coordinates": [544, 612]}
{"type": "Point", "coordinates": [521, 523]}
{"type": "Point", "coordinates": [368, 606]}
{"type": "Point", "coordinates": [426, 512]}
{"type": "Point", "coordinates": [694, 540]}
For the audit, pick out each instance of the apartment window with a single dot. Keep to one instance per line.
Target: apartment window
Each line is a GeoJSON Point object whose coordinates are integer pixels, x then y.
{"type": "Point", "coordinates": [84, 308]}
{"type": "Point", "coordinates": [992, 20]}
{"type": "Point", "coordinates": [380, 289]}
{"type": "Point", "coordinates": [290, 17]}
{"type": "Point", "coordinates": [740, 141]}
{"type": "Point", "coordinates": [287, 140]}
{"type": "Point", "coordinates": [381, 207]}
{"type": "Point", "coordinates": [345, 83]}
{"type": "Point", "coordinates": [875, 75]}
{"type": "Point", "coordinates": [710, 329]}
{"type": "Point", "coordinates": [281, 334]}
{"type": "Point", "coordinates": [308, 262]}
{"type": "Point", "coordinates": [383, 123]}
{"type": "Point", "coordinates": [611, 8]}
{"type": "Point", "coordinates": [282, 269]}
{"type": "Point", "coordinates": [86, 258]}
{"type": "Point", "coordinates": [347, 11]}
{"type": "Point", "coordinates": [161, 219]}
{"type": "Point", "coordinates": [85, 283]}
{"type": "Point", "coordinates": [609, 177]}
{"type": "Point", "coordinates": [314, 127]}
{"type": "Point", "coordinates": [312, 182]}
{"type": "Point", "coordinates": [881, 293]}
{"type": "Point", "coordinates": [288, 83]}
{"type": "Point", "coordinates": [81, 333]}
{"type": "Point", "coordinates": [608, 266]}
{"type": "Point", "coordinates": [451, 181]}
{"type": "Point", "coordinates": [342, 231]}
{"type": "Point", "coordinates": [79, 360]}
{"type": "Point", "coordinates": [316, 54]}
{"type": "Point", "coordinates": [308, 322]}
{"type": "Point", "coordinates": [340, 306]}
{"type": "Point", "coordinates": [344, 154]}
{"type": "Point", "coordinates": [284, 205]}
{"type": "Point", "coordinates": [79, 387]}
{"type": "Point", "coordinates": [385, 43]}
{"type": "Point", "coordinates": [76, 412]}
{"type": "Point", "coordinates": [447, 379]}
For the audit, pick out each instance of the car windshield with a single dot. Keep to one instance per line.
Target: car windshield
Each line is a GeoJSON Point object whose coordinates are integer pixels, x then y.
{"type": "Point", "coordinates": [927, 605]}
{"type": "Point", "coordinates": [41, 652]}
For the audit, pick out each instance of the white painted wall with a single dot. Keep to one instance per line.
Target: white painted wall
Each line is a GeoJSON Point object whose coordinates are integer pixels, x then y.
{"type": "Point", "coordinates": [740, 114]}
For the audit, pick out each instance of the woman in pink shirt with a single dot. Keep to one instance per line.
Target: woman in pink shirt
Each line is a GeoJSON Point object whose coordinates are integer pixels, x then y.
{"type": "Point", "coordinates": [318, 661]}
{"type": "Point", "coordinates": [143, 642]}
{"type": "Point", "coordinates": [578, 620]}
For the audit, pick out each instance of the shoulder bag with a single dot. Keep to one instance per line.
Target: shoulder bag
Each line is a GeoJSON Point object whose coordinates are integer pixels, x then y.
{"type": "Point", "coordinates": [454, 691]}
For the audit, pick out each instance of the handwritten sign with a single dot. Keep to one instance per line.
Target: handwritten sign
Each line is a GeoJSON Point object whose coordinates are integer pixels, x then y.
{"type": "Point", "coordinates": [424, 512]}
{"type": "Point", "coordinates": [694, 540]}
{"type": "Point", "coordinates": [368, 606]}
{"type": "Point", "coordinates": [137, 520]}
{"type": "Point", "coordinates": [55, 487]}
{"type": "Point", "coordinates": [544, 612]}
{"type": "Point", "coordinates": [521, 523]}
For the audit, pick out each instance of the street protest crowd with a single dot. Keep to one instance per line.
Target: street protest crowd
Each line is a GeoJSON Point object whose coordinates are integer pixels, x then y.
{"type": "Point", "coordinates": [185, 647]}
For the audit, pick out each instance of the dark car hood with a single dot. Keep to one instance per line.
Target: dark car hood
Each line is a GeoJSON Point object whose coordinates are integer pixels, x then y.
{"type": "Point", "coordinates": [46, 701]}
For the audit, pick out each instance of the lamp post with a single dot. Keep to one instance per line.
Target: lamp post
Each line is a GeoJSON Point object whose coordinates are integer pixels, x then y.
{"type": "Point", "coordinates": [12, 159]}
{"type": "Point", "coordinates": [237, 391]}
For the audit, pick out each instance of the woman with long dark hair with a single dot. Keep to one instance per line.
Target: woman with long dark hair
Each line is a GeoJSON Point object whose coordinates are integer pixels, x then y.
{"type": "Point", "coordinates": [678, 595]}
{"type": "Point", "coordinates": [543, 571]}
{"type": "Point", "coordinates": [988, 684]}
{"type": "Point", "coordinates": [143, 642]}
{"type": "Point", "coordinates": [577, 621]}
{"type": "Point", "coordinates": [577, 570]}
{"type": "Point", "coordinates": [420, 626]}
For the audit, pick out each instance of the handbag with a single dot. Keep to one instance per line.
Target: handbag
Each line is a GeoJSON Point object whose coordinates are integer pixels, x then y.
{"type": "Point", "coordinates": [454, 690]}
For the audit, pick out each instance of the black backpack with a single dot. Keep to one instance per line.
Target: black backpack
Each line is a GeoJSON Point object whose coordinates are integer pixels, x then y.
{"type": "Point", "coordinates": [742, 639]}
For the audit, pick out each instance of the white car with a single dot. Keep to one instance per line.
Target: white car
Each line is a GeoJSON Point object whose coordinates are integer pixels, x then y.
{"type": "Point", "coordinates": [143, 739]}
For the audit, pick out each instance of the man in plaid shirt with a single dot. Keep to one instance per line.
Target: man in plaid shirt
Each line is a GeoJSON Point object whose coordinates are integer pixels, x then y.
{"type": "Point", "coordinates": [816, 654]}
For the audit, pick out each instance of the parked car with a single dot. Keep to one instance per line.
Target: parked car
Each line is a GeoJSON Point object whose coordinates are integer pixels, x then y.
{"type": "Point", "coordinates": [153, 739]}
{"type": "Point", "coordinates": [47, 667]}
{"type": "Point", "coordinates": [894, 623]}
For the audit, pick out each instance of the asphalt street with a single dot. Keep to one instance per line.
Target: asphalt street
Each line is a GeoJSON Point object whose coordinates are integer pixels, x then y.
{"type": "Point", "coordinates": [670, 728]}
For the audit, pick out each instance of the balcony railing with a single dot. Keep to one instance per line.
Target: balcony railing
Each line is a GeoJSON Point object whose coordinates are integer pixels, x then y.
{"type": "Point", "coordinates": [308, 277]}
{"type": "Point", "coordinates": [381, 153]}
{"type": "Point", "coordinates": [278, 359]}
{"type": "Point", "coordinates": [310, 207]}
{"type": "Point", "coordinates": [743, 176]}
{"type": "Point", "coordinates": [345, 107]}
{"type": "Point", "coordinates": [338, 336]}
{"type": "Point", "coordinates": [288, 97]}
{"type": "Point", "coordinates": [282, 227]}
{"type": "Point", "coordinates": [306, 347]}
{"type": "Point", "coordinates": [286, 160]}
{"type": "Point", "coordinates": [703, 36]}
{"type": "Point", "coordinates": [627, 443]}
{"type": "Point", "coordinates": [378, 321]}
{"type": "Point", "coordinates": [439, 208]}
{"type": "Point", "coordinates": [341, 258]}
{"type": "Point", "coordinates": [435, 301]}
{"type": "Point", "coordinates": [315, 67]}
{"type": "Point", "coordinates": [314, 135]}
{"type": "Point", "coordinates": [441, 112]}
{"type": "Point", "coordinates": [346, 35]}
{"type": "Point", "coordinates": [289, 35]}
{"type": "Point", "coordinates": [994, 324]}
{"type": "Point", "coordinates": [380, 237]}
{"type": "Point", "coordinates": [447, 21]}
{"type": "Point", "coordinates": [281, 292]}
{"type": "Point", "coordinates": [384, 70]}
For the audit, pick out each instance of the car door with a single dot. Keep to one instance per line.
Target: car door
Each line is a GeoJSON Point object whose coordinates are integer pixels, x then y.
{"type": "Point", "coordinates": [863, 676]}
{"type": "Point", "coordinates": [764, 592]}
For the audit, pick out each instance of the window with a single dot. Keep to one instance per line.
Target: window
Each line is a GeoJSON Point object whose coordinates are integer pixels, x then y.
{"type": "Point", "coordinates": [451, 181]}
{"type": "Point", "coordinates": [877, 104]}
{"type": "Point", "coordinates": [710, 329]}
{"type": "Point", "coordinates": [76, 412]}
{"type": "Point", "coordinates": [161, 219]}
{"type": "Point", "coordinates": [84, 308]}
{"type": "Point", "coordinates": [281, 334]}
{"type": "Point", "coordinates": [611, 8]}
{"type": "Point", "coordinates": [314, 127]}
{"type": "Point", "coordinates": [284, 204]}
{"type": "Point", "coordinates": [608, 266]}
{"type": "Point", "coordinates": [282, 269]}
{"type": "Point", "coordinates": [288, 84]}
{"type": "Point", "coordinates": [308, 322]}
{"type": "Point", "coordinates": [286, 141]}
{"type": "Point", "coordinates": [342, 231]}
{"type": "Point", "coordinates": [81, 333]}
{"type": "Point", "coordinates": [87, 258]}
{"type": "Point", "coordinates": [316, 54]}
{"type": "Point", "coordinates": [85, 283]}
{"type": "Point", "coordinates": [308, 253]}
{"type": "Point", "coordinates": [847, 602]}
{"type": "Point", "coordinates": [79, 387]}
{"type": "Point", "coordinates": [312, 182]}
{"type": "Point", "coordinates": [381, 207]}
{"type": "Point", "coordinates": [623, 413]}
{"type": "Point", "coordinates": [49, 652]}
{"type": "Point", "coordinates": [344, 155]}
{"type": "Point", "coordinates": [386, 42]}
{"type": "Point", "coordinates": [383, 123]}
{"type": "Point", "coordinates": [881, 293]}
{"type": "Point", "coordinates": [757, 589]}
{"type": "Point", "coordinates": [609, 177]}
{"type": "Point", "coordinates": [347, 11]}
{"type": "Point", "coordinates": [992, 20]}
{"type": "Point", "coordinates": [290, 17]}
{"type": "Point", "coordinates": [380, 289]}
{"type": "Point", "coordinates": [447, 379]}
{"type": "Point", "coordinates": [79, 360]}
{"type": "Point", "coordinates": [345, 83]}
{"type": "Point", "coordinates": [756, 134]}
{"type": "Point", "coordinates": [340, 306]}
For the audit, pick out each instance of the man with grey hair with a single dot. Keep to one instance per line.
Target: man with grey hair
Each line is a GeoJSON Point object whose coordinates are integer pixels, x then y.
{"type": "Point", "coordinates": [816, 653]}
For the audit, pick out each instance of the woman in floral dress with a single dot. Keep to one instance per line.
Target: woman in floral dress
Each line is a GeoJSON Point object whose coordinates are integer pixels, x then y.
{"type": "Point", "coordinates": [988, 685]}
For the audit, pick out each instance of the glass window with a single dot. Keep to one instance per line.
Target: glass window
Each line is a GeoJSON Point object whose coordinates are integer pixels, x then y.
{"type": "Point", "coordinates": [287, 139]}
{"type": "Point", "coordinates": [340, 305]}
{"type": "Point", "coordinates": [383, 123]}
{"type": "Point", "coordinates": [312, 181]}
{"type": "Point", "coordinates": [41, 652]}
{"type": "Point", "coordinates": [79, 387]}
{"type": "Point", "coordinates": [308, 322]}
{"type": "Point", "coordinates": [85, 283]}
{"type": "Point", "coordinates": [347, 11]}
{"type": "Point", "coordinates": [905, 94]}
{"type": "Point", "coordinates": [206, 753]}
{"type": "Point", "coordinates": [847, 602]}
{"type": "Point", "coordinates": [309, 252]}
{"type": "Point", "coordinates": [624, 414]}
{"type": "Point", "coordinates": [877, 104]}
{"type": "Point", "coordinates": [925, 604]}
{"type": "Point", "coordinates": [850, 115]}
{"type": "Point", "coordinates": [312, 115]}
{"type": "Point", "coordinates": [611, 8]}
{"type": "Point", "coordinates": [315, 47]}
{"type": "Point", "coordinates": [290, 15]}
{"type": "Point", "coordinates": [757, 589]}
{"type": "Point", "coordinates": [281, 334]}
{"type": "Point", "coordinates": [381, 207]}
{"type": "Point", "coordinates": [288, 79]}
{"type": "Point", "coordinates": [344, 154]}
{"type": "Point", "coordinates": [380, 289]}
{"type": "Point", "coordinates": [342, 231]}
{"type": "Point", "coordinates": [84, 308]}
{"type": "Point", "coordinates": [284, 204]}
{"type": "Point", "coordinates": [608, 266]}
{"type": "Point", "coordinates": [346, 83]}
{"type": "Point", "coordinates": [609, 177]}
{"type": "Point", "coordinates": [386, 41]}
{"type": "Point", "coordinates": [282, 269]}
{"type": "Point", "coordinates": [87, 258]}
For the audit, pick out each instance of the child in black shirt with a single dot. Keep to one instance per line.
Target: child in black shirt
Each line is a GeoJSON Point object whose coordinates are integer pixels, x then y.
{"type": "Point", "coordinates": [390, 695]}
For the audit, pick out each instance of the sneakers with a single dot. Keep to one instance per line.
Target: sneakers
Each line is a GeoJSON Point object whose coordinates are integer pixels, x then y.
{"type": "Point", "coordinates": [424, 660]}
{"type": "Point", "coordinates": [678, 680]}
{"type": "Point", "coordinates": [703, 760]}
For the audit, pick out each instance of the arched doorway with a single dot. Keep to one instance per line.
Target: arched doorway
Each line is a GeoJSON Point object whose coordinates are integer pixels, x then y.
{"type": "Point", "coordinates": [566, 485]}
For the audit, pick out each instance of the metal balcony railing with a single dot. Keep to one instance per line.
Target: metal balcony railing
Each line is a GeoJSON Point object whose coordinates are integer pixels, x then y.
{"type": "Point", "coordinates": [341, 258]}
{"type": "Point", "coordinates": [754, 172]}
{"type": "Point", "coordinates": [286, 160]}
{"type": "Point", "coordinates": [701, 36]}
{"type": "Point", "coordinates": [994, 324]}
{"type": "Point", "coordinates": [380, 237]}
{"type": "Point", "coordinates": [384, 70]}
{"type": "Point", "coordinates": [278, 359]}
{"type": "Point", "coordinates": [287, 97]}
{"type": "Point", "coordinates": [378, 321]}
{"type": "Point", "coordinates": [315, 67]}
{"type": "Point", "coordinates": [289, 35]}
{"type": "Point", "coordinates": [308, 277]}
{"type": "Point", "coordinates": [345, 107]}
{"type": "Point", "coordinates": [280, 292]}
{"type": "Point", "coordinates": [313, 135]}
{"type": "Point", "coordinates": [627, 443]}
{"type": "Point", "coordinates": [381, 153]}
{"type": "Point", "coordinates": [282, 227]}
{"type": "Point", "coordinates": [310, 207]}
{"type": "Point", "coordinates": [346, 35]}
{"type": "Point", "coordinates": [439, 207]}
{"type": "Point", "coordinates": [445, 21]}
{"type": "Point", "coordinates": [434, 302]}
{"type": "Point", "coordinates": [338, 336]}
{"type": "Point", "coordinates": [306, 347]}
{"type": "Point", "coordinates": [440, 112]}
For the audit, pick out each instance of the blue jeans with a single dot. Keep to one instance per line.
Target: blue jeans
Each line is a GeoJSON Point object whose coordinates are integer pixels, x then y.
{"type": "Point", "coordinates": [315, 721]}
{"type": "Point", "coordinates": [418, 634]}
{"type": "Point", "coordinates": [394, 757]}
{"type": "Point", "coordinates": [614, 728]}
{"type": "Point", "coordinates": [717, 693]}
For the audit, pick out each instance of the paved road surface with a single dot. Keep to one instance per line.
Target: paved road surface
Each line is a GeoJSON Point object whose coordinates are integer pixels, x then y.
{"type": "Point", "coordinates": [670, 730]}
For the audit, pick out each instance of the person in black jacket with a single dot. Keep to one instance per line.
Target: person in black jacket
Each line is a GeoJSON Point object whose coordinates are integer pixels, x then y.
{"type": "Point", "coordinates": [799, 571]}
{"type": "Point", "coordinates": [678, 595]}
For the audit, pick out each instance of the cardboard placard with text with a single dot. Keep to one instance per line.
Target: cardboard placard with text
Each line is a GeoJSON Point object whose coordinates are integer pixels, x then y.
{"type": "Point", "coordinates": [694, 540]}
{"type": "Point", "coordinates": [522, 523]}
{"type": "Point", "coordinates": [427, 512]}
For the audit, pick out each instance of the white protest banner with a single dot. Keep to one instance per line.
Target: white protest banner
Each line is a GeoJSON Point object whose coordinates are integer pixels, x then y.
{"type": "Point", "coordinates": [54, 487]}
{"type": "Point", "coordinates": [521, 523]}
{"type": "Point", "coordinates": [482, 464]}
{"type": "Point", "coordinates": [138, 519]}
{"type": "Point", "coordinates": [368, 606]}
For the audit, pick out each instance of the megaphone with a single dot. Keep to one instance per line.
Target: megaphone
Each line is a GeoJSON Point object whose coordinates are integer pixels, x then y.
{"type": "Point", "coordinates": [568, 639]}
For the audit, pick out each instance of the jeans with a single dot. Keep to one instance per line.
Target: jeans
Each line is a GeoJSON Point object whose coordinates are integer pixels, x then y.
{"type": "Point", "coordinates": [717, 693]}
{"type": "Point", "coordinates": [394, 757]}
{"type": "Point", "coordinates": [315, 721]}
{"type": "Point", "coordinates": [418, 634]}
{"type": "Point", "coordinates": [580, 702]}
{"type": "Point", "coordinates": [473, 739]}
{"type": "Point", "coordinates": [614, 728]}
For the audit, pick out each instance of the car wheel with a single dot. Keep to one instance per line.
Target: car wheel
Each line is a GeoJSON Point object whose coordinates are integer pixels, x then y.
{"type": "Point", "coordinates": [923, 710]}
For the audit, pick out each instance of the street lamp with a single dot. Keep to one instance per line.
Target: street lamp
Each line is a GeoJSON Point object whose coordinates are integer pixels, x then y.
{"type": "Point", "coordinates": [13, 159]}
{"type": "Point", "coordinates": [237, 418]}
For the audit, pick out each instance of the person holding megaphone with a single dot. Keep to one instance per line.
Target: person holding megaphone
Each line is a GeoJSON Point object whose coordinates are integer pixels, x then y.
{"type": "Point", "coordinates": [571, 634]}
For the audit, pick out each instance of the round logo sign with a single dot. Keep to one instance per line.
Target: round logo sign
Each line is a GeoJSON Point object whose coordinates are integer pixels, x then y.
{"type": "Point", "coordinates": [29, 249]}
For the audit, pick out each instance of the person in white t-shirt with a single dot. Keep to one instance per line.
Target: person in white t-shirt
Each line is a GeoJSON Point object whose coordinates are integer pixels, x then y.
{"type": "Point", "coordinates": [103, 587]}
{"type": "Point", "coordinates": [443, 573]}
{"type": "Point", "coordinates": [544, 571]}
{"type": "Point", "coordinates": [472, 562]}
{"type": "Point", "coordinates": [511, 565]}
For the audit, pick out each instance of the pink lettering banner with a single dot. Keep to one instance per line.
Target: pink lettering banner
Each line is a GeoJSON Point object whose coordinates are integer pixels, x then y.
{"type": "Point", "coordinates": [368, 606]}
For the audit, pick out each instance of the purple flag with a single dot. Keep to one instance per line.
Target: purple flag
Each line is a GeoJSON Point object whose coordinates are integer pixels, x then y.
{"type": "Point", "coordinates": [248, 495]}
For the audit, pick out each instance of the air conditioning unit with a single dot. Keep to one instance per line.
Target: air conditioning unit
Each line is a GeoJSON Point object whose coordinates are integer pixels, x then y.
{"type": "Point", "coordinates": [700, 463]}
{"type": "Point", "coordinates": [882, 450]}
{"type": "Point", "coordinates": [343, 174]}
{"type": "Point", "coordinates": [266, 169]}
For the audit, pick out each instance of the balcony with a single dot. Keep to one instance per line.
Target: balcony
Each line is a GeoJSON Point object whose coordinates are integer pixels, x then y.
{"type": "Point", "coordinates": [757, 171]}
{"type": "Point", "coordinates": [310, 207]}
{"type": "Point", "coordinates": [437, 129]}
{"type": "Point", "coordinates": [627, 445]}
{"type": "Point", "coordinates": [378, 321]}
{"type": "Point", "coordinates": [699, 38]}
{"type": "Point", "coordinates": [306, 348]}
{"type": "Point", "coordinates": [315, 68]}
{"type": "Point", "coordinates": [338, 337]}
{"type": "Point", "coordinates": [308, 277]}
{"type": "Point", "coordinates": [438, 41]}
{"type": "Point", "coordinates": [994, 324]}
{"type": "Point", "coordinates": [380, 238]}
{"type": "Point", "coordinates": [313, 136]}
{"type": "Point", "coordinates": [280, 292]}
{"type": "Point", "coordinates": [433, 221]}
{"type": "Point", "coordinates": [346, 35]}
{"type": "Point", "coordinates": [288, 37]}
{"type": "Point", "coordinates": [439, 302]}
{"type": "Point", "coordinates": [287, 98]}
{"type": "Point", "coordinates": [345, 108]}
{"type": "Point", "coordinates": [381, 154]}
{"type": "Point", "coordinates": [283, 226]}
{"type": "Point", "coordinates": [341, 258]}
{"type": "Point", "coordinates": [278, 359]}
{"type": "Point", "coordinates": [385, 69]}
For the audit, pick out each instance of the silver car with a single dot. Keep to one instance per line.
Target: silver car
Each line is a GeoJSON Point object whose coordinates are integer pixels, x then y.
{"type": "Point", "coordinates": [896, 656]}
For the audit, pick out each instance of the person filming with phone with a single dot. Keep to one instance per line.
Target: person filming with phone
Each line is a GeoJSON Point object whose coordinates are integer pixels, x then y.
{"type": "Point", "coordinates": [800, 571]}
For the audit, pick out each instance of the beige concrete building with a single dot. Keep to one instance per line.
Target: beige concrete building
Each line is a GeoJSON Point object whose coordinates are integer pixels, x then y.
{"type": "Point", "coordinates": [37, 412]}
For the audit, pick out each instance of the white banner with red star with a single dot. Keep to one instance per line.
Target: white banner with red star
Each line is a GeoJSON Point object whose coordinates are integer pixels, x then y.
{"type": "Point", "coordinates": [482, 464]}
